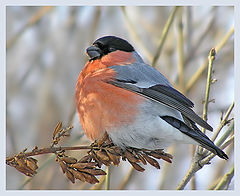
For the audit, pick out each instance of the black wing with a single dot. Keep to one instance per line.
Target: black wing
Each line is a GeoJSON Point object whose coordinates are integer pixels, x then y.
{"type": "Point", "coordinates": [165, 95]}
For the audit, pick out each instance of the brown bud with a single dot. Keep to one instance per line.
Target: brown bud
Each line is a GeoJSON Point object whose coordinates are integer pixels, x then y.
{"type": "Point", "coordinates": [94, 172]}
{"type": "Point", "coordinates": [90, 178]}
{"type": "Point", "coordinates": [32, 159]}
{"type": "Point", "coordinates": [20, 162]}
{"type": "Point", "coordinates": [142, 159]}
{"type": "Point", "coordinates": [159, 151]}
{"type": "Point", "coordinates": [130, 157]}
{"type": "Point", "coordinates": [83, 165]}
{"type": "Point", "coordinates": [25, 170]}
{"type": "Point", "coordinates": [77, 175]}
{"type": "Point", "coordinates": [102, 155]}
{"type": "Point", "coordinates": [31, 164]}
{"type": "Point", "coordinates": [70, 176]}
{"type": "Point", "coordinates": [114, 158]}
{"type": "Point", "coordinates": [155, 155]}
{"type": "Point", "coordinates": [63, 165]}
{"type": "Point", "coordinates": [98, 161]}
{"type": "Point", "coordinates": [137, 167]}
{"type": "Point", "coordinates": [57, 129]}
{"type": "Point", "coordinates": [69, 160]}
{"type": "Point", "coordinates": [115, 150]}
{"type": "Point", "coordinates": [103, 139]}
{"type": "Point", "coordinates": [85, 159]}
{"type": "Point", "coordinates": [166, 158]}
{"type": "Point", "coordinates": [152, 161]}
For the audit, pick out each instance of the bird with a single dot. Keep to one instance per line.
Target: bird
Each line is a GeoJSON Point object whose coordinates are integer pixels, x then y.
{"type": "Point", "coordinates": [118, 93]}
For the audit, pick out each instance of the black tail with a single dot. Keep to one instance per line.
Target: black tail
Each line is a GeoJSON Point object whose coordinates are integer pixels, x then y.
{"type": "Point", "coordinates": [195, 134]}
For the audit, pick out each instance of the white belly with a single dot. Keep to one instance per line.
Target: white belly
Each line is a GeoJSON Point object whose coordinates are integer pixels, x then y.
{"type": "Point", "coordinates": [149, 130]}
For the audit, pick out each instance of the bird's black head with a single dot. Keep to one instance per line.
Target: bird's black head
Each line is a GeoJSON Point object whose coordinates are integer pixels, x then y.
{"type": "Point", "coordinates": [107, 44]}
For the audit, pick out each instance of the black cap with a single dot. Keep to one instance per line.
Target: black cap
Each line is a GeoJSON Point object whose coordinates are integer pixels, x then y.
{"type": "Point", "coordinates": [107, 44]}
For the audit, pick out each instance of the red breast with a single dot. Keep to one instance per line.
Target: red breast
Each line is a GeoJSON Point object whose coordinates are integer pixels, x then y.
{"type": "Point", "coordinates": [101, 105]}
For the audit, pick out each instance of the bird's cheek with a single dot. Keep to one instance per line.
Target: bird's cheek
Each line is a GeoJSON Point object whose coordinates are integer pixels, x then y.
{"type": "Point", "coordinates": [118, 58]}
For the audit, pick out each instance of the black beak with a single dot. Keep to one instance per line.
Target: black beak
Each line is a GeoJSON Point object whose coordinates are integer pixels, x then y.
{"type": "Point", "coordinates": [93, 52]}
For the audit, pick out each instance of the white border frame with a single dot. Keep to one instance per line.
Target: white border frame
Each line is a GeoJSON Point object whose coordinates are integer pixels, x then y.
{"type": "Point", "coordinates": [5, 3]}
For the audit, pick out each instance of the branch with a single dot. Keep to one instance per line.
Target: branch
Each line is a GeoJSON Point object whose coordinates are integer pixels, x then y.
{"type": "Point", "coordinates": [199, 72]}
{"type": "Point", "coordinates": [223, 122]}
{"type": "Point", "coordinates": [100, 152]}
{"type": "Point", "coordinates": [163, 36]}
{"type": "Point", "coordinates": [211, 58]}
{"type": "Point", "coordinates": [225, 181]}
{"type": "Point", "coordinates": [197, 162]}
{"type": "Point", "coordinates": [180, 51]}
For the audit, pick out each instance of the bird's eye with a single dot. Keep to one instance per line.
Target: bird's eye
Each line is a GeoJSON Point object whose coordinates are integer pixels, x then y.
{"type": "Point", "coordinates": [111, 49]}
{"type": "Point", "coordinates": [99, 45]}
{"type": "Point", "coordinates": [104, 48]}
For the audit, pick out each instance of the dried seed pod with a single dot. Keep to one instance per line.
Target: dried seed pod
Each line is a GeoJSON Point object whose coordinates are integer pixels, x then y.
{"type": "Point", "coordinates": [85, 159]}
{"type": "Point", "coordinates": [168, 155]}
{"type": "Point", "coordinates": [62, 165]}
{"type": "Point", "coordinates": [99, 162]}
{"type": "Point", "coordinates": [25, 170]}
{"type": "Point", "coordinates": [32, 159]}
{"type": "Point", "coordinates": [115, 150]}
{"type": "Point", "coordinates": [83, 165]}
{"type": "Point", "coordinates": [31, 164]}
{"type": "Point", "coordinates": [90, 178]}
{"type": "Point", "coordinates": [70, 176]}
{"type": "Point", "coordinates": [155, 155]}
{"type": "Point", "coordinates": [166, 158]}
{"type": "Point", "coordinates": [131, 157]}
{"type": "Point", "coordinates": [159, 151]}
{"type": "Point", "coordinates": [69, 160]}
{"type": "Point", "coordinates": [102, 139]}
{"type": "Point", "coordinates": [137, 167]}
{"type": "Point", "coordinates": [152, 161]}
{"type": "Point", "coordinates": [94, 172]}
{"type": "Point", "coordinates": [77, 175]}
{"type": "Point", "coordinates": [57, 129]}
{"type": "Point", "coordinates": [142, 159]}
{"type": "Point", "coordinates": [102, 155]}
{"type": "Point", "coordinates": [114, 158]}
{"type": "Point", "coordinates": [112, 151]}
{"type": "Point", "coordinates": [20, 162]}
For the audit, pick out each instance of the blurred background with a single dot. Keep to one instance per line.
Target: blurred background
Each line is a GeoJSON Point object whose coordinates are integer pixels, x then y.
{"type": "Point", "coordinates": [46, 52]}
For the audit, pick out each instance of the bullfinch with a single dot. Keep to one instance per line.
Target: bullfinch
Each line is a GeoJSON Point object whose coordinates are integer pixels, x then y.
{"type": "Point", "coordinates": [117, 93]}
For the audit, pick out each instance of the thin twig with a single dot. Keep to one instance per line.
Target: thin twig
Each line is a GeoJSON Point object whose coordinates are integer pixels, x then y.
{"type": "Point", "coordinates": [180, 51]}
{"type": "Point", "coordinates": [223, 122]}
{"type": "Point", "coordinates": [201, 69]}
{"type": "Point", "coordinates": [197, 159]}
{"type": "Point", "coordinates": [226, 134]}
{"type": "Point", "coordinates": [225, 181]}
{"type": "Point", "coordinates": [163, 36]}
{"type": "Point", "coordinates": [52, 157]}
{"type": "Point", "coordinates": [218, 143]}
{"type": "Point", "coordinates": [190, 173]}
{"type": "Point", "coordinates": [107, 178]}
{"type": "Point", "coordinates": [197, 165]}
{"type": "Point", "coordinates": [211, 58]}
{"type": "Point", "coordinates": [126, 179]}
{"type": "Point", "coordinates": [43, 165]}
{"type": "Point", "coordinates": [36, 152]}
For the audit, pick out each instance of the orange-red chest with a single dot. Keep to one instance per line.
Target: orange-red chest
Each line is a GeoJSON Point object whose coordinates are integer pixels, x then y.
{"type": "Point", "coordinates": [101, 106]}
